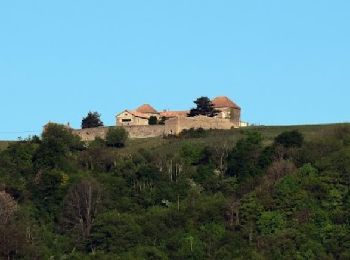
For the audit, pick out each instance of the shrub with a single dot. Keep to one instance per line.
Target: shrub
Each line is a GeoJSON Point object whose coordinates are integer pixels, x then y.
{"type": "Point", "coordinates": [193, 133]}
{"type": "Point", "coordinates": [290, 139]}
{"type": "Point", "coordinates": [116, 137]}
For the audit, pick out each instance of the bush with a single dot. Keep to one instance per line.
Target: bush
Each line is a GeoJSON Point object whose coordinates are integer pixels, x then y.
{"type": "Point", "coordinates": [116, 137]}
{"type": "Point", "coordinates": [290, 139]}
{"type": "Point", "coordinates": [193, 133]}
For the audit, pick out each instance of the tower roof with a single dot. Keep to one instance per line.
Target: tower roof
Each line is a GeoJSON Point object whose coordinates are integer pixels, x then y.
{"type": "Point", "coordinates": [223, 101]}
{"type": "Point", "coordinates": [147, 109]}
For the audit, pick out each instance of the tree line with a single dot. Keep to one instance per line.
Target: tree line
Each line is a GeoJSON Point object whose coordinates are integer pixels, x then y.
{"type": "Point", "coordinates": [187, 198]}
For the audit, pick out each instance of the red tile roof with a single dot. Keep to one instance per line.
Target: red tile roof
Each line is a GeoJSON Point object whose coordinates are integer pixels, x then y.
{"type": "Point", "coordinates": [139, 114]}
{"type": "Point", "coordinates": [146, 108]}
{"type": "Point", "coordinates": [220, 102]}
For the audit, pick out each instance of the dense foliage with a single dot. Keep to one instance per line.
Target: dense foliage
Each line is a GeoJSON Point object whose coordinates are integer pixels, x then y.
{"type": "Point", "coordinates": [93, 119]}
{"type": "Point", "coordinates": [285, 197]}
{"type": "Point", "coordinates": [116, 137]}
{"type": "Point", "coordinates": [204, 107]}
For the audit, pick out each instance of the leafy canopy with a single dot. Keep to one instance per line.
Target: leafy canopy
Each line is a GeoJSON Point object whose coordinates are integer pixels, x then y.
{"type": "Point", "coordinates": [116, 137]}
{"type": "Point", "coordinates": [91, 120]}
{"type": "Point", "coordinates": [290, 139]}
{"type": "Point", "coordinates": [203, 107]}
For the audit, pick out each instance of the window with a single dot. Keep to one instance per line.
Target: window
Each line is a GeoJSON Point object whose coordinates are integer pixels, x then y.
{"type": "Point", "coordinates": [126, 120]}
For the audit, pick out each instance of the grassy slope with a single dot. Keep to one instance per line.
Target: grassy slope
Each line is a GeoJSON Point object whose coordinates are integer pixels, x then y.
{"type": "Point", "coordinates": [4, 145]}
{"type": "Point", "coordinates": [218, 137]}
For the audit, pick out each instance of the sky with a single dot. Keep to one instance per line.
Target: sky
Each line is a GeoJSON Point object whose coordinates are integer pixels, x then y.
{"type": "Point", "coordinates": [283, 62]}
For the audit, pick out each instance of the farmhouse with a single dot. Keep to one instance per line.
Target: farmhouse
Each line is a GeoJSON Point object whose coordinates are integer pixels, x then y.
{"type": "Point", "coordinates": [141, 115]}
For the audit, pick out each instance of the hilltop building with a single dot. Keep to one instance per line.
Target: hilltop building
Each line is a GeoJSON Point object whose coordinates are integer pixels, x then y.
{"type": "Point", "coordinates": [140, 116]}
{"type": "Point", "coordinates": [136, 122]}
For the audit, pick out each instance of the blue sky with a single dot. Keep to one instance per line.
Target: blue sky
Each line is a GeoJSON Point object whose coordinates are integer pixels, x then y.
{"type": "Point", "coordinates": [283, 62]}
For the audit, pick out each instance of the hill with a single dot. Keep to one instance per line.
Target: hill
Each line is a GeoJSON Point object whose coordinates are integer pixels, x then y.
{"type": "Point", "coordinates": [278, 192]}
{"type": "Point", "coordinates": [214, 137]}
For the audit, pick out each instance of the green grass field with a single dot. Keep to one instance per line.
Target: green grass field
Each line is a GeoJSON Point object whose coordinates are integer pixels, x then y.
{"type": "Point", "coordinates": [219, 137]}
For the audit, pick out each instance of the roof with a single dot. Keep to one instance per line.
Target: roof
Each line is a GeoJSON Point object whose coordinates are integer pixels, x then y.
{"type": "Point", "coordinates": [173, 113]}
{"type": "Point", "coordinates": [146, 108]}
{"type": "Point", "coordinates": [139, 114]}
{"type": "Point", "coordinates": [223, 101]}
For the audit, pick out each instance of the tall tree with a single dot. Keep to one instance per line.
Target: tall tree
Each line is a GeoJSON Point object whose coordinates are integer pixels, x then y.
{"type": "Point", "coordinates": [8, 207]}
{"type": "Point", "coordinates": [203, 107]}
{"type": "Point", "coordinates": [91, 120]}
{"type": "Point", "coordinates": [57, 143]}
{"type": "Point", "coordinates": [80, 208]}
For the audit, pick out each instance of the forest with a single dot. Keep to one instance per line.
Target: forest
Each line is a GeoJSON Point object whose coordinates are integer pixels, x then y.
{"type": "Point", "coordinates": [253, 193]}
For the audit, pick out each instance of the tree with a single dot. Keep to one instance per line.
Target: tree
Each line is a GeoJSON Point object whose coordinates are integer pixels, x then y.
{"type": "Point", "coordinates": [80, 208]}
{"type": "Point", "coordinates": [8, 207]}
{"type": "Point", "coordinates": [270, 222]}
{"type": "Point", "coordinates": [116, 137]}
{"type": "Point", "coordinates": [204, 107]}
{"type": "Point", "coordinates": [57, 143]}
{"type": "Point", "coordinates": [13, 241]}
{"type": "Point", "coordinates": [243, 160]}
{"type": "Point", "coordinates": [48, 190]}
{"type": "Point", "coordinates": [91, 120]}
{"type": "Point", "coordinates": [290, 139]}
{"type": "Point", "coordinates": [153, 120]}
{"type": "Point", "coordinates": [115, 232]}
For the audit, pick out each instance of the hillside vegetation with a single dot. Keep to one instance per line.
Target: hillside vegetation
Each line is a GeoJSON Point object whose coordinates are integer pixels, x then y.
{"type": "Point", "coordinates": [4, 145]}
{"type": "Point", "coordinates": [254, 193]}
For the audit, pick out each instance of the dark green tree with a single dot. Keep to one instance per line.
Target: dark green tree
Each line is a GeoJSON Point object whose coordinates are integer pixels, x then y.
{"type": "Point", "coordinates": [290, 139]}
{"type": "Point", "coordinates": [203, 107]}
{"type": "Point", "coordinates": [243, 160]}
{"type": "Point", "coordinates": [91, 120]}
{"type": "Point", "coordinates": [114, 232]}
{"type": "Point", "coordinates": [57, 144]}
{"type": "Point", "coordinates": [116, 137]}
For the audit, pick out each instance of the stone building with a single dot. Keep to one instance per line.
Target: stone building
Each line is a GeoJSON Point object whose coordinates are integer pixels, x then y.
{"type": "Point", "coordinates": [228, 110]}
{"type": "Point", "coordinates": [140, 116]}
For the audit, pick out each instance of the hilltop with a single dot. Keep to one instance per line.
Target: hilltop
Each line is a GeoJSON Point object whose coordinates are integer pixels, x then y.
{"type": "Point", "coordinates": [268, 132]}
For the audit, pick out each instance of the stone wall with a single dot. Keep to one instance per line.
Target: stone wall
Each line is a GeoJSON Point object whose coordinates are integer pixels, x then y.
{"type": "Point", "coordinates": [89, 134]}
{"type": "Point", "coordinates": [136, 131]}
{"type": "Point", "coordinates": [176, 125]}
{"type": "Point", "coordinates": [145, 131]}
{"type": "Point", "coordinates": [172, 126]}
